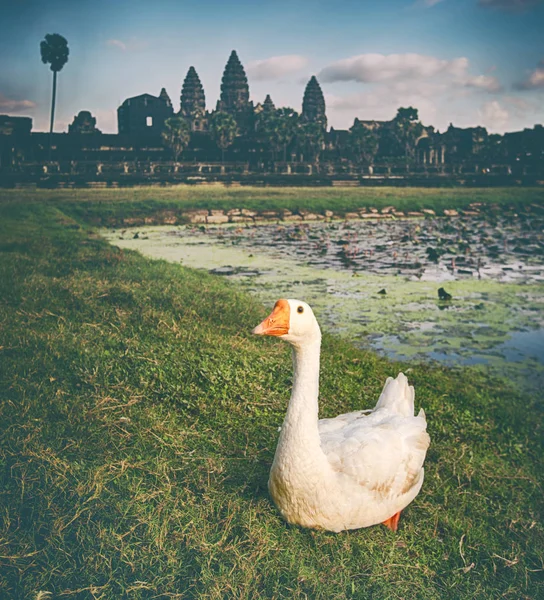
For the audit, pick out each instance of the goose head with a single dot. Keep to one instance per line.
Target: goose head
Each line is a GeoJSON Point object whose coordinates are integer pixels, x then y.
{"type": "Point", "coordinates": [292, 321]}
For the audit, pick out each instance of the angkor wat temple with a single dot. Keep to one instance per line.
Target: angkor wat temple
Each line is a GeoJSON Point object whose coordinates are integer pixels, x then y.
{"type": "Point", "coordinates": [268, 144]}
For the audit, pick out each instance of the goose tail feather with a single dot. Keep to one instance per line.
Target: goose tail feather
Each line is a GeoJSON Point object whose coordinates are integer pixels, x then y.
{"type": "Point", "coordinates": [398, 396]}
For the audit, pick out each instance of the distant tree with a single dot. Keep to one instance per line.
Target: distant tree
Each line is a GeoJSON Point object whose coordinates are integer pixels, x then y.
{"type": "Point", "coordinates": [409, 115]}
{"type": "Point", "coordinates": [287, 121]}
{"type": "Point", "coordinates": [223, 130]}
{"type": "Point", "coordinates": [266, 124]}
{"type": "Point", "coordinates": [399, 136]}
{"type": "Point", "coordinates": [54, 51]}
{"type": "Point", "coordinates": [176, 134]}
{"type": "Point", "coordinates": [407, 129]}
{"type": "Point", "coordinates": [275, 130]}
{"type": "Point", "coordinates": [363, 142]}
{"type": "Point", "coordinates": [310, 139]}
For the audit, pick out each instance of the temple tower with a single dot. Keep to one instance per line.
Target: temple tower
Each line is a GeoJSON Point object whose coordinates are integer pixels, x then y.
{"type": "Point", "coordinates": [268, 105]}
{"type": "Point", "coordinates": [165, 97]}
{"type": "Point", "coordinates": [193, 100]}
{"type": "Point", "coordinates": [313, 104]}
{"type": "Point", "coordinates": [234, 98]}
{"type": "Point", "coordinates": [234, 87]}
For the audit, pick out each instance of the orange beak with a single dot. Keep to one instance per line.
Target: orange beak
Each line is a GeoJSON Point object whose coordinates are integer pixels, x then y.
{"type": "Point", "coordinates": [278, 321]}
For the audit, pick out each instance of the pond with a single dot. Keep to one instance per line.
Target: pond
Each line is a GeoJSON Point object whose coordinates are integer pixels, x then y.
{"type": "Point", "coordinates": [465, 291]}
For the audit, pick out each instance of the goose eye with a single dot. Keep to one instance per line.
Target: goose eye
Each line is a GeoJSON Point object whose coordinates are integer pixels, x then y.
{"type": "Point", "coordinates": [300, 309]}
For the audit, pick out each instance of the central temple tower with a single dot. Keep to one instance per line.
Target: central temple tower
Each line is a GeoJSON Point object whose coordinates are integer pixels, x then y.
{"type": "Point", "coordinates": [234, 87]}
{"type": "Point", "coordinates": [234, 98]}
{"type": "Point", "coordinates": [313, 104]}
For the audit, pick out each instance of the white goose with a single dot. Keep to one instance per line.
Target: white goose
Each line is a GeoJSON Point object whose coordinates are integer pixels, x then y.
{"type": "Point", "coordinates": [359, 469]}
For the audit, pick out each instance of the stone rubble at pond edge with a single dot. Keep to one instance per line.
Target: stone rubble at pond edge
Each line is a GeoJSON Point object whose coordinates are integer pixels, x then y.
{"type": "Point", "coordinates": [244, 215]}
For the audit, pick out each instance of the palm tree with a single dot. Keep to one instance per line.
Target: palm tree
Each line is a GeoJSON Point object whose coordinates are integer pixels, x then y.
{"type": "Point", "coordinates": [398, 137]}
{"type": "Point", "coordinates": [407, 129]}
{"type": "Point", "coordinates": [265, 124]}
{"type": "Point", "coordinates": [287, 123]}
{"type": "Point", "coordinates": [276, 129]}
{"type": "Point", "coordinates": [54, 51]}
{"type": "Point", "coordinates": [176, 134]}
{"type": "Point", "coordinates": [363, 142]}
{"type": "Point", "coordinates": [267, 131]}
{"type": "Point", "coordinates": [223, 130]}
{"type": "Point", "coordinates": [310, 140]}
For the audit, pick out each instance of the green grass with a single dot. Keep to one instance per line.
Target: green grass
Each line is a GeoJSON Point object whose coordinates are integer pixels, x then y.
{"type": "Point", "coordinates": [111, 206]}
{"type": "Point", "coordinates": [139, 420]}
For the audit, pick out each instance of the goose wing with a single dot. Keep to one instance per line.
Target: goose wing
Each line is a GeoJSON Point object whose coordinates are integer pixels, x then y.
{"type": "Point", "coordinates": [382, 451]}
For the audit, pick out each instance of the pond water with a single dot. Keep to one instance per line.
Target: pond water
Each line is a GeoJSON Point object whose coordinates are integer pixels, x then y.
{"type": "Point", "coordinates": [377, 282]}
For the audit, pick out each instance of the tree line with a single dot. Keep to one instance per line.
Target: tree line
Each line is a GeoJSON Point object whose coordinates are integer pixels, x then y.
{"type": "Point", "coordinates": [277, 134]}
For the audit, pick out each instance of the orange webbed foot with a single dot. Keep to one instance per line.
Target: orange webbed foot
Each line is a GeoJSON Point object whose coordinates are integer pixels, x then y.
{"type": "Point", "coordinates": [393, 522]}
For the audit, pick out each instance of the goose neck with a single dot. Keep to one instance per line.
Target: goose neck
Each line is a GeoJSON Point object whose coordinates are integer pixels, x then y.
{"type": "Point", "coordinates": [303, 406]}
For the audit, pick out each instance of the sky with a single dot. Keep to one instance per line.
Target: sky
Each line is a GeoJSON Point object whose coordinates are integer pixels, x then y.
{"type": "Point", "coordinates": [466, 62]}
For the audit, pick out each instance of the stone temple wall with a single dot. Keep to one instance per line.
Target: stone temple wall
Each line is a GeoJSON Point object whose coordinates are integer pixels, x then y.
{"type": "Point", "coordinates": [92, 173]}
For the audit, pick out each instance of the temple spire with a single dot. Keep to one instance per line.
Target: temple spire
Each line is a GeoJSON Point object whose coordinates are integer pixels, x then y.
{"type": "Point", "coordinates": [234, 87]}
{"type": "Point", "coordinates": [164, 96]}
{"type": "Point", "coordinates": [313, 104]}
{"type": "Point", "coordinates": [268, 105]}
{"type": "Point", "coordinates": [193, 100]}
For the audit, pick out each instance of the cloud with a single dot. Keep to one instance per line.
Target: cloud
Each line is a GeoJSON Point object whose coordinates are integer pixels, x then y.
{"type": "Point", "coordinates": [523, 110]}
{"type": "Point", "coordinates": [438, 100]}
{"type": "Point", "coordinates": [382, 102]}
{"type": "Point", "coordinates": [483, 82]}
{"type": "Point", "coordinates": [14, 106]}
{"type": "Point", "coordinates": [494, 116]}
{"type": "Point", "coordinates": [117, 44]}
{"type": "Point", "coordinates": [407, 68]}
{"type": "Point", "coordinates": [132, 45]}
{"type": "Point", "coordinates": [276, 66]}
{"type": "Point", "coordinates": [510, 5]}
{"type": "Point", "coordinates": [521, 105]}
{"type": "Point", "coordinates": [370, 68]}
{"type": "Point", "coordinates": [535, 80]}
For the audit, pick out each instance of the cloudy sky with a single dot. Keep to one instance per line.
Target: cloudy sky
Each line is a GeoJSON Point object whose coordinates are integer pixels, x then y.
{"type": "Point", "coordinates": [468, 62]}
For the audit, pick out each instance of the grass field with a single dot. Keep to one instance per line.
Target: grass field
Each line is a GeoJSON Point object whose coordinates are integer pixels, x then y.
{"type": "Point", "coordinates": [139, 419]}
{"type": "Point", "coordinates": [111, 206]}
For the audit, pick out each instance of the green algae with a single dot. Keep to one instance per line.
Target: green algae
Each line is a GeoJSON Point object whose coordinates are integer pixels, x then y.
{"type": "Point", "coordinates": [408, 322]}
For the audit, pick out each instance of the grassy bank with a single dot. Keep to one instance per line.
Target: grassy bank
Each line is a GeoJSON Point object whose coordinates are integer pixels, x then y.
{"type": "Point", "coordinates": [111, 206]}
{"type": "Point", "coordinates": [139, 420]}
